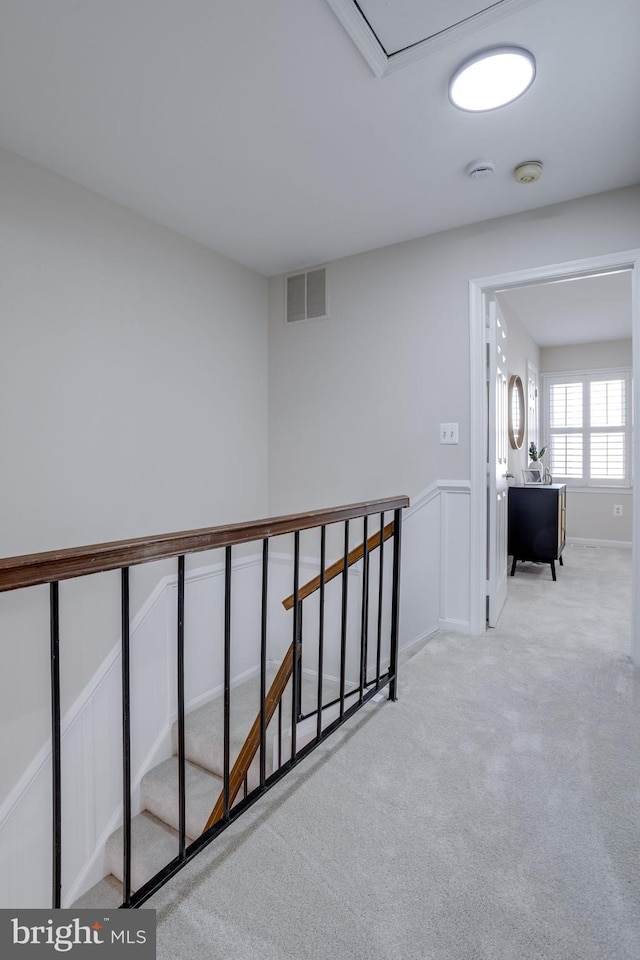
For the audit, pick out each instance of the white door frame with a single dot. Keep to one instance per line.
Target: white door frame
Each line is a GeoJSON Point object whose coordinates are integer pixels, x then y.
{"type": "Point", "coordinates": [479, 288]}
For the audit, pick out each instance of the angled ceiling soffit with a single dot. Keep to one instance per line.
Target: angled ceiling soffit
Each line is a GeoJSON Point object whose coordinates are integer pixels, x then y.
{"type": "Point", "coordinates": [363, 33]}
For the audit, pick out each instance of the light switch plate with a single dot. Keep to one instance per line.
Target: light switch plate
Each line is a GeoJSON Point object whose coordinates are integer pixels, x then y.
{"type": "Point", "coordinates": [448, 433]}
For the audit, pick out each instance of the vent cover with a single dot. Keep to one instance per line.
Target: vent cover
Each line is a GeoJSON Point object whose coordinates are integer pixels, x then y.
{"type": "Point", "coordinates": [307, 296]}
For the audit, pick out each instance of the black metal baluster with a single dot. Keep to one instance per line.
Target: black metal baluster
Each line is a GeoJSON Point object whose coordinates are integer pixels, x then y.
{"type": "Point", "coordinates": [323, 552]}
{"type": "Point", "coordinates": [299, 750]}
{"type": "Point", "coordinates": [297, 616]}
{"type": "Point", "coordinates": [182, 770]}
{"type": "Point", "coordinates": [380, 600]}
{"type": "Point", "coordinates": [56, 746]}
{"type": "Point", "coordinates": [227, 678]}
{"type": "Point", "coordinates": [343, 629]}
{"type": "Point", "coordinates": [263, 663]}
{"type": "Point", "coordinates": [395, 606]}
{"type": "Point", "coordinates": [364, 620]}
{"type": "Point", "coordinates": [126, 738]}
{"type": "Point", "coordinates": [299, 646]}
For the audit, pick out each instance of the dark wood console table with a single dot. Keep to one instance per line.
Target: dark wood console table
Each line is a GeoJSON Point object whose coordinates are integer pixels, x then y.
{"type": "Point", "coordinates": [537, 523]}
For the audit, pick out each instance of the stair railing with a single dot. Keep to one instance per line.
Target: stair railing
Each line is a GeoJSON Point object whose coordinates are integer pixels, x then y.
{"type": "Point", "coordinates": [249, 749]}
{"type": "Point", "coordinates": [54, 567]}
{"type": "Point", "coordinates": [273, 699]}
{"type": "Point", "coordinates": [337, 568]}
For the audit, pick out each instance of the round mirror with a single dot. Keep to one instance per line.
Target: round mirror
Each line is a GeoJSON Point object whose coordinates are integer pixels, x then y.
{"type": "Point", "coordinates": [516, 412]}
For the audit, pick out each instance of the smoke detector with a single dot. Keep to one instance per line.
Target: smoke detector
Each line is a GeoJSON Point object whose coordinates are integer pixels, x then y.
{"type": "Point", "coordinates": [480, 169]}
{"type": "Point", "coordinates": [528, 172]}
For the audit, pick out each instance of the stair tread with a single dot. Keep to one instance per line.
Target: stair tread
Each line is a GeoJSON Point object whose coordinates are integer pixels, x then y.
{"type": "Point", "coordinates": [106, 893]}
{"type": "Point", "coordinates": [204, 725]}
{"type": "Point", "coordinates": [154, 831]}
{"type": "Point", "coordinates": [154, 844]}
{"type": "Point", "coordinates": [160, 794]}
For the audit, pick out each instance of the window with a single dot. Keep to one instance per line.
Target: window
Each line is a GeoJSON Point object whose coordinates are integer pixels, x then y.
{"type": "Point", "coordinates": [588, 418]}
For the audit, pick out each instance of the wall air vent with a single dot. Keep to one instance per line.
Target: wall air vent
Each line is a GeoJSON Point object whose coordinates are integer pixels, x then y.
{"type": "Point", "coordinates": [307, 296]}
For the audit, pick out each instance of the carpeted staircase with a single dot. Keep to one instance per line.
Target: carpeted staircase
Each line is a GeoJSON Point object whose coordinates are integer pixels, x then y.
{"type": "Point", "coordinates": [155, 830]}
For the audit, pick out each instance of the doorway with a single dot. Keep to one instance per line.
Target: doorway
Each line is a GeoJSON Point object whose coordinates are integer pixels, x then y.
{"type": "Point", "coordinates": [481, 291]}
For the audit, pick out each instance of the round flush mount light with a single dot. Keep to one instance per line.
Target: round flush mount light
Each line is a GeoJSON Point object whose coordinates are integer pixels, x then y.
{"type": "Point", "coordinates": [492, 79]}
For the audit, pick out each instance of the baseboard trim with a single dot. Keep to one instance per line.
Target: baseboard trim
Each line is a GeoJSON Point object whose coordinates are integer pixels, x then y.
{"type": "Point", "coordinates": [586, 542]}
{"type": "Point", "coordinates": [455, 626]}
{"type": "Point", "coordinates": [423, 638]}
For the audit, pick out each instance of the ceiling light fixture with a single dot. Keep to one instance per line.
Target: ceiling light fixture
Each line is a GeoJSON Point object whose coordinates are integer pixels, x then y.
{"type": "Point", "coordinates": [492, 79]}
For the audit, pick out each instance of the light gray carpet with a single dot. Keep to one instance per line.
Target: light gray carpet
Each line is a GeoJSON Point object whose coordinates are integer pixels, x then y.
{"type": "Point", "coordinates": [491, 813]}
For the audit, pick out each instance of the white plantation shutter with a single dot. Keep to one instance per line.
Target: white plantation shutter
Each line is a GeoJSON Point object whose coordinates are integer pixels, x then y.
{"type": "Point", "coordinates": [565, 408]}
{"type": "Point", "coordinates": [607, 456]}
{"type": "Point", "coordinates": [588, 423]}
{"type": "Point", "coordinates": [565, 422]}
{"type": "Point", "coordinates": [607, 403]}
{"type": "Point", "coordinates": [566, 456]}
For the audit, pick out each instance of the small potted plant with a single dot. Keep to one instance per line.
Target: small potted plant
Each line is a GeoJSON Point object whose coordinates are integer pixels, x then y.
{"type": "Point", "coordinates": [536, 459]}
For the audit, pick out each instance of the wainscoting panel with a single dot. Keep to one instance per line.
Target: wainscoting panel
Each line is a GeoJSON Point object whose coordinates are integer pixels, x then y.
{"type": "Point", "coordinates": [455, 556]}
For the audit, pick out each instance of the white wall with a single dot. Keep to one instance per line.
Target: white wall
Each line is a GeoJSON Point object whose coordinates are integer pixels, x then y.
{"type": "Point", "coordinates": [590, 512]}
{"type": "Point", "coordinates": [133, 385]}
{"type": "Point", "coordinates": [587, 356]}
{"type": "Point", "coordinates": [355, 401]}
{"type": "Point", "coordinates": [134, 367]}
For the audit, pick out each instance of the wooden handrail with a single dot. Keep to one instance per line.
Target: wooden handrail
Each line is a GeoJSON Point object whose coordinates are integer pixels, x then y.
{"type": "Point", "coordinates": [250, 746]}
{"type": "Point", "coordinates": [337, 568]}
{"type": "Point", "coordinates": [36, 568]}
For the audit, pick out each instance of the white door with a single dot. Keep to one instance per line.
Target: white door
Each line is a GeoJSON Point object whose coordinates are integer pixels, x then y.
{"type": "Point", "coordinates": [497, 452]}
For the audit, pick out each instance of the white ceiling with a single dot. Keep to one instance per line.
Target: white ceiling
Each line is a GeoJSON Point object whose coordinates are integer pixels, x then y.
{"type": "Point", "coordinates": [584, 310]}
{"type": "Point", "coordinates": [401, 23]}
{"type": "Point", "coordinates": [257, 128]}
